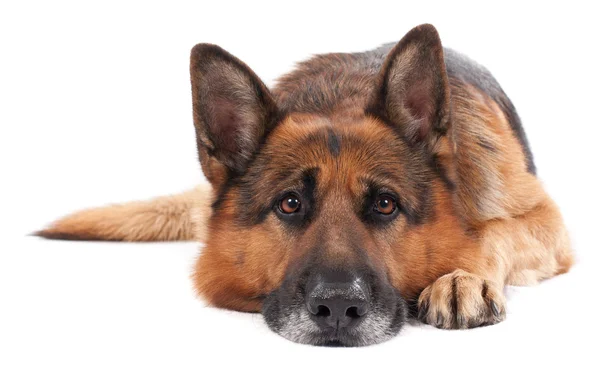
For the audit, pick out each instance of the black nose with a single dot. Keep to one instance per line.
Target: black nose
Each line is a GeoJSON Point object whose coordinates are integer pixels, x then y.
{"type": "Point", "coordinates": [337, 304]}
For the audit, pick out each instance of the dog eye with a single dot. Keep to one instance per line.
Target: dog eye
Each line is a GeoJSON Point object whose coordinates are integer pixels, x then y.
{"type": "Point", "coordinates": [385, 205]}
{"type": "Point", "coordinates": [289, 204]}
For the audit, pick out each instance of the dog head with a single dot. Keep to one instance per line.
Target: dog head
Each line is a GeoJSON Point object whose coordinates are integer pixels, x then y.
{"type": "Point", "coordinates": [328, 223]}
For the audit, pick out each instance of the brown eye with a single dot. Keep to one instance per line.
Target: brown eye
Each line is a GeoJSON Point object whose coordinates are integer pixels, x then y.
{"type": "Point", "coordinates": [289, 204]}
{"type": "Point", "coordinates": [385, 204]}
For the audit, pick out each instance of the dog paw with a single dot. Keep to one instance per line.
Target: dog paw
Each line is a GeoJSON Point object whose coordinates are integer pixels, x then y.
{"type": "Point", "coordinates": [461, 300]}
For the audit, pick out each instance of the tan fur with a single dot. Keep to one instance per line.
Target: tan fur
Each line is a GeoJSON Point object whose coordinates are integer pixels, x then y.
{"type": "Point", "coordinates": [168, 218]}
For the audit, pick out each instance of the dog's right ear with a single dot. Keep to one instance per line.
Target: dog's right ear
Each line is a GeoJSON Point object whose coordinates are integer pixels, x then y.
{"type": "Point", "coordinates": [233, 112]}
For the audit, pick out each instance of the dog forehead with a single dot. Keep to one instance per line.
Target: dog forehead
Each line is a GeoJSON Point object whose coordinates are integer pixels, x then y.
{"type": "Point", "coordinates": [335, 145]}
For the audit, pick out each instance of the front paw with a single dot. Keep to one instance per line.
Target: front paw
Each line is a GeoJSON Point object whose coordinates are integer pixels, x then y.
{"type": "Point", "coordinates": [461, 300]}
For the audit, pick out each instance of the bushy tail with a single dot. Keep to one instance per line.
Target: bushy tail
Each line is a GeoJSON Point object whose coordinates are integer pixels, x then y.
{"type": "Point", "coordinates": [169, 218]}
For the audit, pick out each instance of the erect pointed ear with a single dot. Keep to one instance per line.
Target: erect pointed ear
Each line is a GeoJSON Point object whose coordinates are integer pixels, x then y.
{"type": "Point", "coordinates": [413, 91]}
{"type": "Point", "coordinates": [233, 111]}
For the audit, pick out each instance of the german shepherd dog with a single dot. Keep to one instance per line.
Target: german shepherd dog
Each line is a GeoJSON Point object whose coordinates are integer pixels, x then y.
{"type": "Point", "coordinates": [361, 190]}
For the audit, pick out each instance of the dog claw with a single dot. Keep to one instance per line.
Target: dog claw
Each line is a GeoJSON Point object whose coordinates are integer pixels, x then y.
{"type": "Point", "coordinates": [494, 308]}
{"type": "Point", "coordinates": [460, 321]}
{"type": "Point", "coordinates": [440, 320]}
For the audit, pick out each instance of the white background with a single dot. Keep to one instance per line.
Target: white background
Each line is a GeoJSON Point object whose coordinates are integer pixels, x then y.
{"type": "Point", "coordinates": [95, 108]}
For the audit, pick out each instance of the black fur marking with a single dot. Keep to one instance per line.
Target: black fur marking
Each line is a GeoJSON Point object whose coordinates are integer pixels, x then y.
{"type": "Point", "coordinates": [454, 301]}
{"type": "Point", "coordinates": [333, 142]}
{"type": "Point", "coordinates": [442, 174]}
{"type": "Point", "coordinates": [309, 181]}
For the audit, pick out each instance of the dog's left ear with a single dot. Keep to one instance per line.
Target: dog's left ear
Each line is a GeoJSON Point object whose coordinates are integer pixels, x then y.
{"type": "Point", "coordinates": [233, 112]}
{"type": "Point", "coordinates": [412, 91]}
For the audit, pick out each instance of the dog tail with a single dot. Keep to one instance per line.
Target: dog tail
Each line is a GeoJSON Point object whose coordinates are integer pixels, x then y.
{"type": "Point", "coordinates": [168, 218]}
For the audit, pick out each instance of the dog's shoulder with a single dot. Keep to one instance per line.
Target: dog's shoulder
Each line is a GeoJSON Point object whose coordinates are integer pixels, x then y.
{"type": "Point", "coordinates": [464, 71]}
